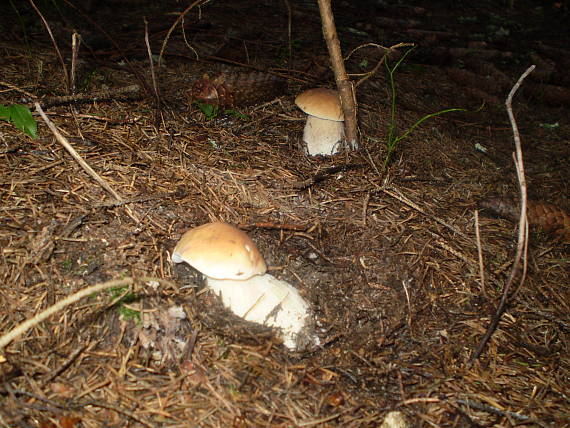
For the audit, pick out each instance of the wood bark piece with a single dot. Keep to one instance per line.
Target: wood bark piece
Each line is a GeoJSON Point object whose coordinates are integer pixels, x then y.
{"type": "Point", "coordinates": [107, 94]}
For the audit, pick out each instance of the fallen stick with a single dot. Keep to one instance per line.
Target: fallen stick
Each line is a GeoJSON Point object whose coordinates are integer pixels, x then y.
{"type": "Point", "coordinates": [62, 140]}
{"type": "Point", "coordinates": [106, 94]}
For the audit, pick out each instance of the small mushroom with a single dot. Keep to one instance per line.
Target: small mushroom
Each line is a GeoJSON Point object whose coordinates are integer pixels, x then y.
{"type": "Point", "coordinates": [235, 271]}
{"type": "Point", "coordinates": [324, 129]}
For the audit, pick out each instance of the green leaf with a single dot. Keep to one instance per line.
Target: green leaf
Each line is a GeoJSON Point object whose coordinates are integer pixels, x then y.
{"type": "Point", "coordinates": [393, 139]}
{"type": "Point", "coordinates": [22, 118]}
{"type": "Point", "coordinates": [209, 110]}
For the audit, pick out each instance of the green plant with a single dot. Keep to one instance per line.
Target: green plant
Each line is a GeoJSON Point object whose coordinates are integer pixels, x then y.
{"type": "Point", "coordinates": [129, 314]}
{"type": "Point", "coordinates": [209, 110]}
{"type": "Point", "coordinates": [235, 113]}
{"type": "Point", "coordinates": [21, 117]}
{"type": "Point", "coordinates": [120, 296]}
{"type": "Point", "coordinates": [393, 139]}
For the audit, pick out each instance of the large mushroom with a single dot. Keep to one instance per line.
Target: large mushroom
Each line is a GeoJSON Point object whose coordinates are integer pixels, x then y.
{"type": "Point", "coordinates": [220, 251]}
{"type": "Point", "coordinates": [324, 128]}
{"type": "Point", "coordinates": [235, 270]}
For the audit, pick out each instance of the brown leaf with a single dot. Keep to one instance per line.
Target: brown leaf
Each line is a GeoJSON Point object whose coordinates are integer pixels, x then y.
{"type": "Point", "coordinates": [69, 421]}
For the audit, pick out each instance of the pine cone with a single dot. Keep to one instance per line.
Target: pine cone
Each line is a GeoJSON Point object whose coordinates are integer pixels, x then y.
{"type": "Point", "coordinates": [229, 89]}
{"type": "Point", "coordinates": [548, 217]}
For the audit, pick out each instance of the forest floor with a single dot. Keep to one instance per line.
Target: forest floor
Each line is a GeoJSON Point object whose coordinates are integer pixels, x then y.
{"type": "Point", "coordinates": [387, 257]}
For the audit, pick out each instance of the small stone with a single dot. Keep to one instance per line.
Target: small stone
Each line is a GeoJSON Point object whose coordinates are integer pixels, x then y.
{"type": "Point", "coordinates": [395, 419]}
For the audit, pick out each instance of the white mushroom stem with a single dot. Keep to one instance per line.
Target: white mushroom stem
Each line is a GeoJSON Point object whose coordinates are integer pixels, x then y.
{"type": "Point", "coordinates": [322, 136]}
{"type": "Point", "coordinates": [268, 301]}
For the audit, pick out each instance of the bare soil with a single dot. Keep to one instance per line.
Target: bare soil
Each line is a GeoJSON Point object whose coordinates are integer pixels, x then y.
{"type": "Point", "coordinates": [387, 258]}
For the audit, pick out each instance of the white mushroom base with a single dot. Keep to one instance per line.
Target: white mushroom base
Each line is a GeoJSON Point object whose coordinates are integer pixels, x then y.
{"type": "Point", "coordinates": [268, 301]}
{"type": "Point", "coordinates": [322, 136]}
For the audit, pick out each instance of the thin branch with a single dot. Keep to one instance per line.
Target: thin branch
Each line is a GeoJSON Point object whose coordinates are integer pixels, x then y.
{"type": "Point", "coordinates": [480, 254]}
{"type": "Point", "coordinates": [173, 26]}
{"type": "Point", "coordinates": [63, 141]}
{"type": "Point", "coordinates": [390, 191]}
{"type": "Point", "coordinates": [343, 83]}
{"type": "Point", "coordinates": [5, 339]}
{"type": "Point", "coordinates": [522, 244]}
{"type": "Point", "coordinates": [75, 44]}
{"type": "Point", "coordinates": [100, 29]}
{"type": "Point", "coordinates": [58, 52]}
{"type": "Point", "coordinates": [118, 409]}
{"type": "Point", "coordinates": [18, 89]}
{"type": "Point", "coordinates": [155, 87]}
{"type": "Point", "coordinates": [105, 94]}
{"type": "Point", "coordinates": [151, 62]}
{"type": "Point", "coordinates": [493, 410]}
{"type": "Point", "coordinates": [369, 74]}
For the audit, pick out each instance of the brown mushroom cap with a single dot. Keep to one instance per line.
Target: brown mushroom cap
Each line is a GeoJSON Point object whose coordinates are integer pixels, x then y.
{"type": "Point", "coordinates": [220, 251]}
{"type": "Point", "coordinates": [322, 103]}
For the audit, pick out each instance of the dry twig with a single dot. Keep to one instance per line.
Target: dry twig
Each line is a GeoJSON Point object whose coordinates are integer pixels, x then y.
{"type": "Point", "coordinates": [61, 139]}
{"type": "Point", "coordinates": [369, 74]}
{"type": "Point", "coordinates": [5, 339]}
{"type": "Point", "coordinates": [523, 225]}
{"type": "Point", "coordinates": [493, 410]}
{"type": "Point", "coordinates": [55, 46]}
{"type": "Point", "coordinates": [100, 29]}
{"type": "Point", "coordinates": [173, 26]}
{"type": "Point", "coordinates": [104, 94]}
{"type": "Point", "coordinates": [480, 254]}
{"type": "Point", "coordinates": [396, 195]}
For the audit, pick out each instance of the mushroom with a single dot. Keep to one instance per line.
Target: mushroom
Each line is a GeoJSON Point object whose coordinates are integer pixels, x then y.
{"type": "Point", "coordinates": [267, 300]}
{"type": "Point", "coordinates": [325, 121]}
{"type": "Point", "coordinates": [235, 271]}
{"type": "Point", "coordinates": [220, 251]}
